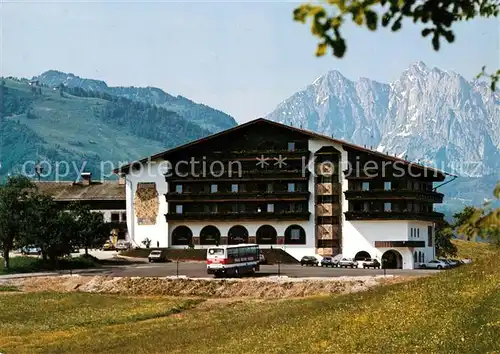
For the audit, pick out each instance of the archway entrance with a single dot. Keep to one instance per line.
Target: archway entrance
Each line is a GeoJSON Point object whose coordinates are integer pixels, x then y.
{"type": "Point", "coordinates": [237, 234]}
{"type": "Point", "coordinates": [361, 256]}
{"type": "Point", "coordinates": [266, 235]}
{"type": "Point", "coordinates": [182, 235]}
{"type": "Point", "coordinates": [209, 235]}
{"type": "Point", "coordinates": [392, 260]}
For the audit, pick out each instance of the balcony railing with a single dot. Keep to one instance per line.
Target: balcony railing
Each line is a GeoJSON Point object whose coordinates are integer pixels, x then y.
{"type": "Point", "coordinates": [216, 216]}
{"type": "Point", "coordinates": [252, 154]}
{"type": "Point", "coordinates": [430, 196]}
{"type": "Point", "coordinates": [393, 215]}
{"type": "Point", "coordinates": [236, 196]}
{"type": "Point", "coordinates": [255, 174]}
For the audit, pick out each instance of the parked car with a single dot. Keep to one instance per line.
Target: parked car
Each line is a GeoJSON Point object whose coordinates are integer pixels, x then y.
{"type": "Point", "coordinates": [123, 245]}
{"type": "Point", "coordinates": [348, 263]}
{"type": "Point", "coordinates": [156, 256]}
{"type": "Point", "coordinates": [451, 262]}
{"type": "Point", "coordinates": [108, 246]}
{"type": "Point", "coordinates": [31, 250]}
{"type": "Point", "coordinates": [329, 262]}
{"type": "Point", "coordinates": [435, 264]}
{"type": "Point", "coordinates": [371, 263]}
{"type": "Point", "coordinates": [309, 260]}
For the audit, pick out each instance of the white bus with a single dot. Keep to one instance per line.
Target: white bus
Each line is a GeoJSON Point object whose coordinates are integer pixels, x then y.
{"type": "Point", "coordinates": [233, 259]}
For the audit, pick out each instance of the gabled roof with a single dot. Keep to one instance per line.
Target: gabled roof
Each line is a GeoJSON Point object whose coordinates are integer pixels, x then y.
{"type": "Point", "coordinates": [70, 191]}
{"type": "Point", "coordinates": [345, 144]}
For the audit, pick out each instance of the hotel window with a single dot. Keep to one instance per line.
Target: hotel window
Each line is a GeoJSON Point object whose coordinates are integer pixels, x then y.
{"type": "Point", "coordinates": [387, 186]}
{"type": "Point", "coordinates": [234, 208]}
{"type": "Point", "coordinates": [270, 188]}
{"type": "Point", "coordinates": [291, 146]}
{"type": "Point", "coordinates": [178, 209]}
{"type": "Point", "coordinates": [411, 232]}
{"type": "Point", "coordinates": [115, 217]}
{"type": "Point", "coordinates": [418, 232]}
{"type": "Point", "coordinates": [387, 207]}
{"type": "Point", "coordinates": [291, 187]}
{"type": "Point", "coordinates": [234, 188]}
{"type": "Point", "coordinates": [213, 188]}
{"type": "Point", "coordinates": [295, 234]}
{"type": "Point", "coordinates": [365, 186]}
{"type": "Point", "coordinates": [178, 188]}
{"type": "Point", "coordinates": [429, 236]}
{"type": "Point", "coordinates": [270, 208]}
{"type": "Point", "coordinates": [124, 217]}
{"type": "Point", "coordinates": [366, 206]}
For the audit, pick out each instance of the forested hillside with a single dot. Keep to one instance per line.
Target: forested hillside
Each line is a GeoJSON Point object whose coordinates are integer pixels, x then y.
{"type": "Point", "coordinates": [77, 127]}
{"type": "Point", "coordinates": [200, 114]}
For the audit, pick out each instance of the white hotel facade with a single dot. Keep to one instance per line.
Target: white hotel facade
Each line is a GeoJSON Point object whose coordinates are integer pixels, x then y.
{"type": "Point", "coordinates": [283, 187]}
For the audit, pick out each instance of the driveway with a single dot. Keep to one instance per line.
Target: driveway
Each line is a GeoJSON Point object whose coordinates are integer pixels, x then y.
{"type": "Point", "coordinates": [198, 270]}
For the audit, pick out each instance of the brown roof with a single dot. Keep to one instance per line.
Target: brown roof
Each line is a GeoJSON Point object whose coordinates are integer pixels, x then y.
{"type": "Point", "coordinates": [71, 191]}
{"type": "Point", "coordinates": [311, 134]}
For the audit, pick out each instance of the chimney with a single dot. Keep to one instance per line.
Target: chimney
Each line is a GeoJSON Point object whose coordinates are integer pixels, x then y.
{"type": "Point", "coordinates": [121, 180]}
{"type": "Point", "coordinates": [86, 178]}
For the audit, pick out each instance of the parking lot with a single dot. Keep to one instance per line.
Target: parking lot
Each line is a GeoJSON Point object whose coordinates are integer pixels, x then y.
{"type": "Point", "coordinates": [198, 270]}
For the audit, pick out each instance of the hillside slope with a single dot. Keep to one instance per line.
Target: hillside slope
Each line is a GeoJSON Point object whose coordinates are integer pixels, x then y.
{"type": "Point", "coordinates": [203, 115]}
{"type": "Point", "coordinates": [44, 124]}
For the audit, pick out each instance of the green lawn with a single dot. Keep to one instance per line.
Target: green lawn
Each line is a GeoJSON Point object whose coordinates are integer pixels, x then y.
{"type": "Point", "coordinates": [455, 311]}
{"type": "Point", "coordinates": [25, 264]}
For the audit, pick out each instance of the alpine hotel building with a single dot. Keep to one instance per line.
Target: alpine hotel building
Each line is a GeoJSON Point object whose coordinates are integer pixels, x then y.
{"type": "Point", "coordinates": [283, 187]}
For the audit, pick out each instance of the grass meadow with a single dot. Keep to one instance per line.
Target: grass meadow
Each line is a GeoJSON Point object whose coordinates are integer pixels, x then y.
{"type": "Point", "coordinates": [454, 311]}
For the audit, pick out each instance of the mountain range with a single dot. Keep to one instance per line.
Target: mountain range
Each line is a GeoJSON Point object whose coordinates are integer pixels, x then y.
{"type": "Point", "coordinates": [427, 115]}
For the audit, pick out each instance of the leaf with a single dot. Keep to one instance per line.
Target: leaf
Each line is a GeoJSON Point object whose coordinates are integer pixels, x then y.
{"type": "Point", "coordinates": [427, 31]}
{"type": "Point", "coordinates": [321, 49]}
{"type": "Point", "coordinates": [371, 20]}
{"type": "Point", "coordinates": [435, 41]}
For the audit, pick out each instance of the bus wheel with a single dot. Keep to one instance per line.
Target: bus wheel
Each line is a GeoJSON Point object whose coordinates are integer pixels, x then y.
{"type": "Point", "coordinates": [252, 272]}
{"type": "Point", "coordinates": [236, 272]}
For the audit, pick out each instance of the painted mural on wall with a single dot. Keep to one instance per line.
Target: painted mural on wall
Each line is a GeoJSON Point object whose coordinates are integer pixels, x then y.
{"type": "Point", "coordinates": [146, 203]}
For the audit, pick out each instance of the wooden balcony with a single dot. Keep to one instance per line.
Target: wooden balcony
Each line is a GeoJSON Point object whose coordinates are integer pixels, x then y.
{"type": "Point", "coordinates": [245, 175]}
{"type": "Point", "coordinates": [393, 215]}
{"type": "Point", "coordinates": [237, 196]}
{"type": "Point", "coordinates": [427, 196]}
{"type": "Point", "coordinates": [391, 244]}
{"type": "Point", "coordinates": [221, 216]}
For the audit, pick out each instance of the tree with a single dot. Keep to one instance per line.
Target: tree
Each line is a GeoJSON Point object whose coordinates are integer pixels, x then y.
{"type": "Point", "coordinates": [146, 242]}
{"type": "Point", "coordinates": [42, 213]}
{"type": "Point", "coordinates": [483, 221]}
{"type": "Point", "coordinates": [14, 196]}
{"type": "Point", "coordinates": [92, 231]}
{"type": "Point", "coordinates": [438, 16]}
{"type": "Point", "coordinates": [443, 237]}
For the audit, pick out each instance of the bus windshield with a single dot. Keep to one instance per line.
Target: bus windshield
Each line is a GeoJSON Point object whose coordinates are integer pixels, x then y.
{"type": "Point", "coordinates": [216, 251]}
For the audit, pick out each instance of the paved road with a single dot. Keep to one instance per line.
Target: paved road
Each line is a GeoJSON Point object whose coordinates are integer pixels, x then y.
{"type": "Point", "coordinates": [198, 270]}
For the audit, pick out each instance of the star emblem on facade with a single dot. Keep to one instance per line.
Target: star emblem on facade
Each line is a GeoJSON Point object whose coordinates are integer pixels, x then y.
{"type": "Point", "coordinates": [280, 161]}
{"type": "Point", "coordinates": [262, 161]}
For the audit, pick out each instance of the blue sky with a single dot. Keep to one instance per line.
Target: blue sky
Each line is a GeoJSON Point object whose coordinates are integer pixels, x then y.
{"type": "Point", "coordinates": [241, 57]}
